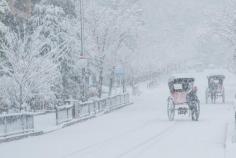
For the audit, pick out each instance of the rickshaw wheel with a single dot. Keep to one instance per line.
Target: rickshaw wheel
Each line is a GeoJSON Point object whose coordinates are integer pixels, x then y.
{"type": "Point", "coordinates": [171, 109]}
{"type": "Point", "coordinates": [196, 111]}
{"type": "Point", "coordinates": [207, 96]}
{"type": "Point", "coordinates": [213, 98]}
{"type": "Point", "coordinates": [223, 97]}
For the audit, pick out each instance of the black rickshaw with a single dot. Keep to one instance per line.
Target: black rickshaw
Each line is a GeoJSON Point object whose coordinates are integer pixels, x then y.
{"type": "Point", "coordinates": [215, 89]}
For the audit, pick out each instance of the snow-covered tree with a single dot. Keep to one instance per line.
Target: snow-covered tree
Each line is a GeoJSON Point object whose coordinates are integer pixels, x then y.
{"type": "Point", "coordinates": [112, 25]}
{"type": "Point", "coordinates": [40, 54]}
{"type": "Point", "coordinates": [3, 9]}
{"type": "Point", "coordinates": [112, 29]}
{"type": "Point", "coordinates": [29, 72]}
{"type": "Point", "coordinates": [3, 6]}
{"type": "Point", "coordinates": [222, 33]}
{"type": "Point", "coordinates": [32, 51]}
{"type": "Point", "coordinates": [3, 29]}
{"type": "Point", "coordinates": [61, 29]}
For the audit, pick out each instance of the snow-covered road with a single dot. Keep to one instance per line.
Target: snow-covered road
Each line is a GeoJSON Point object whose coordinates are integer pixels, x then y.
{"type": "Point", "coordinates": [141, 130]}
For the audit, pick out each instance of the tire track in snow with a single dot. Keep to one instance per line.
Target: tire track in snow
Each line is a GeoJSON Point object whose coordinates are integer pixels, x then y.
{"type": "Point", "coordinates": [110, 139]}
{"type": "Point", "coordinates": [153, 139]}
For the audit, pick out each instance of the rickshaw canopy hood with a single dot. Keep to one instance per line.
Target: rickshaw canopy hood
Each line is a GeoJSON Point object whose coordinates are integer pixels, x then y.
{"type": "Point", "coordinates": [216, 77]}
{"type": "Point", "coordinates": [180, 84]}
{"type": "Point", "coordinates": [180, 80]}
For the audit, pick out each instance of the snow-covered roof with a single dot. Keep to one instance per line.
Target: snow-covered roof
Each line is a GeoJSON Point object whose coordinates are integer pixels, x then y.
{"type": "Point", "coordinates": [216, 76]}
{"type": "Point", "coordinates": [180, 76]}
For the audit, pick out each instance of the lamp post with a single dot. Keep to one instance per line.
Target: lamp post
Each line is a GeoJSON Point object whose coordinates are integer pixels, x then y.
{"type": "Point", "coordinates": [82, 27]}
{"type": "Point", "coordinates": [82, 54]}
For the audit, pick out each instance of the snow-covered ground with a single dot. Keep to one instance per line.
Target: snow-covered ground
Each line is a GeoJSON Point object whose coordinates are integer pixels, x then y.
{"type": "Point", "coordinates": [141, 130]}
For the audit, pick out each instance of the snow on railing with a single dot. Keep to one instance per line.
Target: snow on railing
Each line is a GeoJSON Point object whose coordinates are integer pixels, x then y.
{"type": "Point", "coordinates": [18, 124]}
{"type": "Point", "coordinates": [64, 113]}
{"type": "Point", "coordinates": [84, 110]}
{"type": "Point", "coordinates": [11, 124]}
{"type": "Point", "coordinates": [235, 118]}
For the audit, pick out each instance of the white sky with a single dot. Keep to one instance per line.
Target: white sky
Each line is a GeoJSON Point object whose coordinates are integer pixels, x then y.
{"type": "Point", "coordinates": [173, 26]}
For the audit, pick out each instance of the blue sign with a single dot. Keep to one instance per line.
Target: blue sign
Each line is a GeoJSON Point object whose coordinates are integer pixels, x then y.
{"type": "Point", "coordinates": [119, 71]}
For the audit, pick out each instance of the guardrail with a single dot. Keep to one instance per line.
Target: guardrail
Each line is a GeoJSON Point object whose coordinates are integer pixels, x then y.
{"type": "Point", "coordinates": [84, 110]}
{"type": "Point", "coordinates": [19, 124]}
{"type": "Point", "coordinates": [234, 129]}
{"type": "Point", "coordinates": [64, 114]}
{"type": "Point", "coordinates": [11, 124]}
{"type": "Point", "coordinates": [235, 122]}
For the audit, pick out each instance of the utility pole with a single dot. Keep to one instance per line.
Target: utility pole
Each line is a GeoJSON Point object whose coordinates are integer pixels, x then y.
{"type": "Point", "coordinates": [82, 27]}
{"type": "Point", "coordinates": [82, 54]}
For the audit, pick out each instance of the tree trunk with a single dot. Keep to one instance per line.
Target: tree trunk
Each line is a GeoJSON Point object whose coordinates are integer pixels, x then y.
{"type": "Point", "coordinates": [100, 83]}
{"type": "Point", "coordinates": [21, 97]}
{"type": "Point", "coordinates": [111, 82]}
